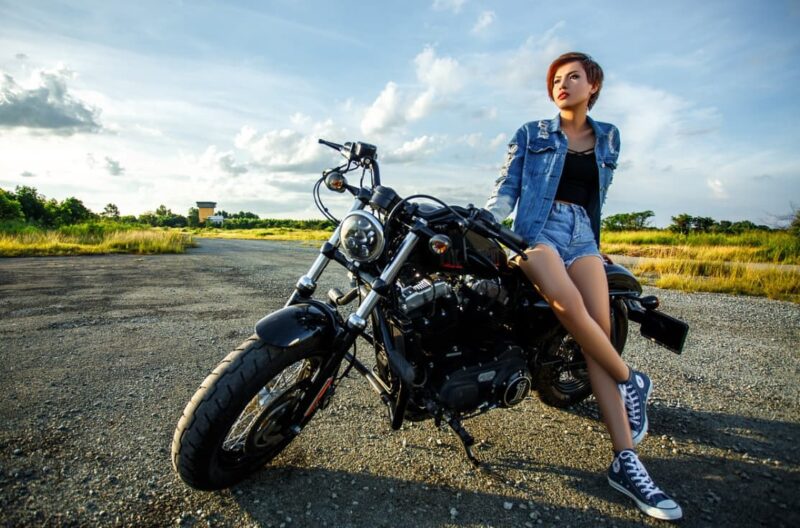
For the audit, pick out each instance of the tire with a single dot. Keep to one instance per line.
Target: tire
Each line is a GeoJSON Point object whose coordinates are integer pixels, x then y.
{"type": "Point", "coordinates": [244, 413]}
{"type": "Point", "coordinates": [561, 385]}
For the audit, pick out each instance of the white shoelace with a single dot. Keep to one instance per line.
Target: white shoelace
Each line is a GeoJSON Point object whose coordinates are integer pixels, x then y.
{"type": "Point", "coordinates": [631, 404]}
{"type": "Point", "coordinates": [638, 474]}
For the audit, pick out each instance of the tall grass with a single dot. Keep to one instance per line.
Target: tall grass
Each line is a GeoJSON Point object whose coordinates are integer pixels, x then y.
{"type": "Point", "coordinates": [776, 247]}
{"type": "Point", "coordinates": [275, 233]}
{"type": "Point", "coordinates": [89, 239]}
{"type": "Point", "coordinates": [720, 277]}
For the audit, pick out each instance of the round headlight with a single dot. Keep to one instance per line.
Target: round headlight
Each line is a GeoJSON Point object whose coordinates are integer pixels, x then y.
{"type": "Point", "coordinates": [361, 236]}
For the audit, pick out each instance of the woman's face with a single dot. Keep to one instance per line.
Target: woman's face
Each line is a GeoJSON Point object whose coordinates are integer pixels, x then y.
{"type": "Point", "coordinates": [571, 87]}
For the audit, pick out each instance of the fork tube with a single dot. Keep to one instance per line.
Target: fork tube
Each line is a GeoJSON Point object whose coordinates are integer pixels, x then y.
{"type": "Point", "coordinates": [358, 320]}
{"type": "Point", "coordinates": [307, 284]}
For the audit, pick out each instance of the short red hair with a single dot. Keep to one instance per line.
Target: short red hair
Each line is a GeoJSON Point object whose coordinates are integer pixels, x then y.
{"type": "Point", "coordinates": [594, 73]}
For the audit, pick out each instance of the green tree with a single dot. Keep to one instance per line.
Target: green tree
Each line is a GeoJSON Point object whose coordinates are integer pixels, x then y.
{"type": "Point", "coordinates": [148, 218]}
{"type": "Point", "coordinates": [628, 221]}
{"type": "Point", "coordinates": [681, 223]}
{"type": "Point", "coordinates": [34, 205]}
{"type": "Point", "coordinates": [10, 208]}
{"type": "Point", "coordinates": [193, 218]}
{"type": "Point", "coordinates": [111, 212]}
{"type": "Point", "coordinates": [794, 227]}
{"type": "Point", "coordinates": [72, 211]}
{"type": "Point", "coordinates": [702, 224]}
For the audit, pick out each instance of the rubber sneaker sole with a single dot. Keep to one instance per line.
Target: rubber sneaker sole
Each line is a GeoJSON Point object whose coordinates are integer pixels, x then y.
{"type": "Point", "coordinates": [672, 514]}
{"type": "Point", "coordinates": [639, 437]}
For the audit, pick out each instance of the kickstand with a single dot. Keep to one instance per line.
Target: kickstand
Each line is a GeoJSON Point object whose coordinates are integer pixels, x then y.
{"type": "Point", "coordinates": [466, 439]}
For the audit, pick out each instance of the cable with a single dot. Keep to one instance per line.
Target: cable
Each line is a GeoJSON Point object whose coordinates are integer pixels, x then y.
{"type": "Point", "coordinates": [426, 196]}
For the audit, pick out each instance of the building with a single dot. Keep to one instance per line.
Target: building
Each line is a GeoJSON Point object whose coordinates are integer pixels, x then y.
{"type": "Point", "coordinates": [205, 209]}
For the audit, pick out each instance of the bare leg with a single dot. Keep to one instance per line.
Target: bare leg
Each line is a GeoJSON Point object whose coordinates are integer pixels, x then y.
{"type": "Point", "coordinates": [545, 269]}
{"type": "Point", "coordinates": [589, 277]}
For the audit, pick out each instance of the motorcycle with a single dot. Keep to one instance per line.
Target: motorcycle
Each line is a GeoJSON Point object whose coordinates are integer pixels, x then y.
{"type": "Point", "coordinates": [455, 326]}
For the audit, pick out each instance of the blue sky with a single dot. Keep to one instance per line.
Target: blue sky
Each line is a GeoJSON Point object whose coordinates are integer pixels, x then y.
{"type": "Point", "coordinates": [149, 103]}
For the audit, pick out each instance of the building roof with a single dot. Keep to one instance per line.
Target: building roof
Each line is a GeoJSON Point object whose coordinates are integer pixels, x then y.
{"type": "Point", "coordinates": [207, 204]}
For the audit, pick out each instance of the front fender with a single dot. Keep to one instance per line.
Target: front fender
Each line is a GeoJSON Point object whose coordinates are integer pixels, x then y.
{"type": "Point", "coordinates": [301, 327]}
{"type": "Point", "coordinates": [620, 280]}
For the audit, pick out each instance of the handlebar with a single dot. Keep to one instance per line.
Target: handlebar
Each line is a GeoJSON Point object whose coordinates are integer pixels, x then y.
{"type": "Point", "coordinates": [491, 227]}
{"type": "Point", "coordinates": [331, 144]}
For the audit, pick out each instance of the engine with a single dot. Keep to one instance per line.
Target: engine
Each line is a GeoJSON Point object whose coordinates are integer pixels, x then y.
{"type": "Point", "coordinates": [458, 329]}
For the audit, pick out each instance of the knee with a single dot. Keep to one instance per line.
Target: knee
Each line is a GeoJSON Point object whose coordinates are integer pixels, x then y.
{"type": "Point", "coordinates": [569, 307]}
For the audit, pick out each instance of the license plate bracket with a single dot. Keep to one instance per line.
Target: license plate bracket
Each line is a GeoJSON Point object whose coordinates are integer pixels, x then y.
{"type": "Point", "coordinates": [664, 330]}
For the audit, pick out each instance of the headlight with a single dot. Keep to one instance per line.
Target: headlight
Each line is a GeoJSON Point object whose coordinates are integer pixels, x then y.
{"type": "Point", "coordinates": [362, 237]}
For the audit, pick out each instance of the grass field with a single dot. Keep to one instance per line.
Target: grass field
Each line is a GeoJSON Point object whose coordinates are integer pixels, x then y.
{"type": "Point", "coordinates": [694, 262]}
{"type": "Point", "coordinates": [713, 262]}
{"type": "Point", "coordinates": [311, 236]}
{"type": "Point", "coordinates": [91, 239]}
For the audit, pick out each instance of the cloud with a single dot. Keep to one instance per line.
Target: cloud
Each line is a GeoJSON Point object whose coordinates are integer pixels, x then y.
{"type": "Point", "coordinates": [485, 20]}
{"type": "Point", "coordinates": [413, 150]}
{"type": "Point", "coordinates": [224, 161]}
{"type": "Point", "coordinates": [448, 5]}
{"type": "Point", "coordinates": [114, 167]}
{"type": "Point", "coordinates": [385, 112]}
{"type": "Point", "coordinates": [27, 174]}
{"type": "Point", "coordinates": [717, 189]}
{"type": "Point", "coordinates": [520, 70]}
{"type": "Point", "coordinates": [45, 105]}
{"type": "Point", "coordinates": [440, 78]}
{"type": "Point", "coordinates": [477, 141]}
{"type": "Point", "coordinates": [289, 150]}
{"type": "Point", "coordinates": [21, 56]}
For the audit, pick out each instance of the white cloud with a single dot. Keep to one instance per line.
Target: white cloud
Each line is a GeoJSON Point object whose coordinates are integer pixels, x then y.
{"type": "Point", "coordinates": [485, 19]}
{"type": "Point", "coordinates": [449, 5]}
{"type": "Point", "coordinates": [441, 77]}
{"type": "Point", "coordinates": [499, 139]}
{"type": "Point", "coordinates": [287, 149]}
{"type": "Point", "coordinates": [442, 74]}
{"type": "Point", "coordinates": [717, 188]}
{"type": "Point", "coordinates": [416, 149]}
{"type": "Point", "coordinates": [385, 112]}
{"type": "Point", "coordinates": [27, 174]}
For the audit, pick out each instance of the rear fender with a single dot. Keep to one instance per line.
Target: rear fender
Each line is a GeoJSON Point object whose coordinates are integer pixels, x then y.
{"type": "Point", "coordinates": [300, 327]}
{"type": "Point", "coordinates": [621, 281]}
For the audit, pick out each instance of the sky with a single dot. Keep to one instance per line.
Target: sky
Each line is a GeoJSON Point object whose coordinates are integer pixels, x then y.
{"type": "Point", "coordinates": [147, 103]}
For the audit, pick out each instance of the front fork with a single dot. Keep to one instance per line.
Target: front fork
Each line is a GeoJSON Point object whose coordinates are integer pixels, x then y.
{"type": "Point", "coordinates": [346, 336]}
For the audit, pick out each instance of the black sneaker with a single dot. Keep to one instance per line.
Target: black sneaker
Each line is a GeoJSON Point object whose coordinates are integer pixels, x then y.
{"type": "Point", "coordinates": [628, 475]}
{"type": "Point", "coordinates": [634, 394]}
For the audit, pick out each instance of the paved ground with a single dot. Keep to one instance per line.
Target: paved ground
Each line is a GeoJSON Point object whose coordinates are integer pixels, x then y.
{"type": "Point", "coordinates": [102, 353]}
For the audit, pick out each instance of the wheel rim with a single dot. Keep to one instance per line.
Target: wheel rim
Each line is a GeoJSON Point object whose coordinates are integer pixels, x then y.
{"type": "Point", "coordinates": [569, 377]}
{"type": "Point", "coordinates": [265, 422]}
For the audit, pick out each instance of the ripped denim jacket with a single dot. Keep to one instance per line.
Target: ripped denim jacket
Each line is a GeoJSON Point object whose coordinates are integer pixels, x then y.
{"type": "Point", "coordinates": [530, 175]}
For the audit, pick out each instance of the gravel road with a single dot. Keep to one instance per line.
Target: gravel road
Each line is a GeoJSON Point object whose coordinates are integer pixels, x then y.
{"type": "Point", "coordinates": [102, 353]}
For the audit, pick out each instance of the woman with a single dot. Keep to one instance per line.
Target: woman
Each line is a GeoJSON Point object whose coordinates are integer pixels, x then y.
{"type": "Point", "coordinates": [557, 174]}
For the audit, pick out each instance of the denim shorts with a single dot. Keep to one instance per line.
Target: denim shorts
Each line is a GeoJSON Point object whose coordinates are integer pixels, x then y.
{"type": "Point", "coordinates": [568, 231]}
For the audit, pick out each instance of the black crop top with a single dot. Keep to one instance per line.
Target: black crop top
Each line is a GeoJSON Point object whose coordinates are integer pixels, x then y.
{"type": "Point", "coordinates": [579, 178]}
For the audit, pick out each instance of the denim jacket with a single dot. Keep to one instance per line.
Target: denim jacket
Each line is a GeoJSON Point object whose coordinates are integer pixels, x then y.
{"type": "Point", "coordinates": [529, 178]}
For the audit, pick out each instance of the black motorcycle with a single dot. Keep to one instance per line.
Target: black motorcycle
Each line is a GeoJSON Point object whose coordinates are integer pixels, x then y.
{"type": "Point", "coordinates": [456, 329]}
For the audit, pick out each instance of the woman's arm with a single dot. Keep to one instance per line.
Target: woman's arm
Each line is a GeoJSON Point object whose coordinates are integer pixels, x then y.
{"type": "Point", "coordinates": [507, 187]}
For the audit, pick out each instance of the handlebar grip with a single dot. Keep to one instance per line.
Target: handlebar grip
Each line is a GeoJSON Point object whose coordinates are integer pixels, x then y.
{"type": "Point", "coordinates": [330, 144]}
{"type": "Point", "coordinates": [512, 237]}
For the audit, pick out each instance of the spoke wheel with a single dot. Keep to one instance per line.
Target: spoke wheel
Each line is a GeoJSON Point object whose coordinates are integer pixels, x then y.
{"type": "Point", "coordinates": [245, 413]}
{"type": "Point", "coordinates": [562, 379]}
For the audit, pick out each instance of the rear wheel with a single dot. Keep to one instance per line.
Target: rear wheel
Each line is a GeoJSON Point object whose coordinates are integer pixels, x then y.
{"type": "Point", "coordinates": [562, 380]}
{"type": "Point", "coordinates": [246, 412]}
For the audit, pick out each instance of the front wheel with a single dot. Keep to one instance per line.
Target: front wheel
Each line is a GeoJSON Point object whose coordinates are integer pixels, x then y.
{"type": "Point", "coordinates": [562, 379]}
{"type": "Point", "coordinates": [246, 412]}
